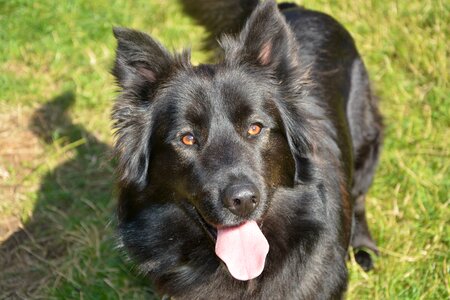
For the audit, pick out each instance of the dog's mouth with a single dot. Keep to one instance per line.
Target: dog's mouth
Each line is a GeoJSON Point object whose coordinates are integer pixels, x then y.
{"type": "Point", "coordinates": [192, 211]}
{"type": "Point", "coordinates": [243, 247]}
{"type": "Point", "coordinates": [210, 230]}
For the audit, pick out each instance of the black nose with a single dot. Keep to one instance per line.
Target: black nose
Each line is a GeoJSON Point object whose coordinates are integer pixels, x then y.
{"type": "Point", "coordinates": [241, 200]}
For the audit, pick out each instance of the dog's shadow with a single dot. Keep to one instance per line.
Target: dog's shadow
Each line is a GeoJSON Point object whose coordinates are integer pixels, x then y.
{"type": "Point", "coordinates": [67, 240]}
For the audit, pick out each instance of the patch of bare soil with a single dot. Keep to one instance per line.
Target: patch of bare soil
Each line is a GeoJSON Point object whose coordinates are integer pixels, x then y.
{"type": "Point", "coordinates": [58, 190]}
{"type": "Point", "coordinates": [20, 153]}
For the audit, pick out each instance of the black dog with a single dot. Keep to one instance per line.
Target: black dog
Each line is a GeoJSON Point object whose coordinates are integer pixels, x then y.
{"type": "Point", "coordinates": [246, 179]}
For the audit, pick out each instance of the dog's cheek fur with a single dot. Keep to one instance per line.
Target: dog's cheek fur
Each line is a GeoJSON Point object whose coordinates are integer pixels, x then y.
{"type": "Point", "coordinates": [278, 162]}
{"type": "Point", "coordinates": [156, 238]}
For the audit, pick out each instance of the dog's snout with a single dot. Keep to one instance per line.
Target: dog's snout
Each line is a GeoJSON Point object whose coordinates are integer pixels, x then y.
{"type": "Point", "coordinates": [241, 200]}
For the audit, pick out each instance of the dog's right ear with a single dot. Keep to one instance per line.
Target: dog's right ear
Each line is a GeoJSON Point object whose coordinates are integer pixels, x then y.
{"type": "Point", "coordinates": [141, 65]}
{"type": "Point", "coordinates": [141, 62]}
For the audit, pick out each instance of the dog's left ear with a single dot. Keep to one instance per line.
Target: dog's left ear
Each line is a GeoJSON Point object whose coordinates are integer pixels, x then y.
{"type": "Point", "coordinates": [266, 41]}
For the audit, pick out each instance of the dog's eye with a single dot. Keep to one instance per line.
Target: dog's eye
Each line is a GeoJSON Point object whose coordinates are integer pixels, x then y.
{"type": "Point", "coordinates": [188, 139]}
{"type": "Point", "coordinates": [254, 129]}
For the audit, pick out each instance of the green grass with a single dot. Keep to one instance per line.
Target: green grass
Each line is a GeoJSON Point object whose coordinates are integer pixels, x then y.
{"type": "Point", "coordinates": [55, 138]}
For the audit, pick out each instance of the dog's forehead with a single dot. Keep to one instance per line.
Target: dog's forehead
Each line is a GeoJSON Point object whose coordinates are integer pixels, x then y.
{"type": "Point", "coordinates": [211, 89]}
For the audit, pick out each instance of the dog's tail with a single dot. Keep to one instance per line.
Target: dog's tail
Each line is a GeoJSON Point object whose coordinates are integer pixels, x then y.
{"type": "Point", "coordinates": [223, 16]}
{"type": "Point", "coordinates": [219, 16]}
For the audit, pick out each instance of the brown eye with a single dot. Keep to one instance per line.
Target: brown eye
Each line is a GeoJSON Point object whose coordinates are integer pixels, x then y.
{"type": "Point", "coordinates": [254, 129]}
{"type": "Point", "coordinates": [188, 139]}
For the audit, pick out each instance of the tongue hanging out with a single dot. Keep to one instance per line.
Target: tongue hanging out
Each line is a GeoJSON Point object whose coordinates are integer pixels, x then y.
{"type": "Point", "coordinates": [244, 249]}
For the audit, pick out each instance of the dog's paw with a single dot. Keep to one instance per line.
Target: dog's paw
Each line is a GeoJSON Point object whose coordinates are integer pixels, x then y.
{"type": "Point", "coordinates": [364, 259]}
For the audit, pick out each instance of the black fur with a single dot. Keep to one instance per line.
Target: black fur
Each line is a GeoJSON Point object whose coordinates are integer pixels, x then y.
{"type": "Point", "coordinates": [299, 75]}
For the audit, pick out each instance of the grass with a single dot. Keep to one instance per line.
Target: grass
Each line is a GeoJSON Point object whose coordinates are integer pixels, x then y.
{"type": "Point", "coordinates": [55, 138]}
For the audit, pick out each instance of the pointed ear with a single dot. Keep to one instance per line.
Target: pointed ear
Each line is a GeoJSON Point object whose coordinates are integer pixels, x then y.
{"type": "Point", "coordinates": [266, 40]}
{"type": "Point", "coordinates": [141, 64]}
{"type": "Point", "coordinates": [140, 60]}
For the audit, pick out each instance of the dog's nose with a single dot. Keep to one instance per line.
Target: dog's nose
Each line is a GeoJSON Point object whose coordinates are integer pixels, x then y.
{"type": "Point", "coordinates": [241, 200]}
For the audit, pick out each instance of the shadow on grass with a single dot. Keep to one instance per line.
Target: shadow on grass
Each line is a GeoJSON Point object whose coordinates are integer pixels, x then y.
{"type": "Point", "coordinates": [66, 249]}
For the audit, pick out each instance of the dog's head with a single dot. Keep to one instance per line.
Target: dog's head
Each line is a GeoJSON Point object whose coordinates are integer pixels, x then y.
{"type": "Point", "coordinates": [221, 137]}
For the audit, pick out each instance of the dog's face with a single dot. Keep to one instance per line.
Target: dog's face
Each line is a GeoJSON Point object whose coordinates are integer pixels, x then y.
{"type": "Point", "coordinates": [220, 137]}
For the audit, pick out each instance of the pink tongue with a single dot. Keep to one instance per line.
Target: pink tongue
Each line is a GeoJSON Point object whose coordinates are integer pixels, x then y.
{"type": "Point", "coordinates": [243, 249]}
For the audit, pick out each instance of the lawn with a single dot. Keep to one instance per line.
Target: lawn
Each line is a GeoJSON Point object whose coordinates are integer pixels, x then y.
{"type": "Point", "coordinates": [56, 176]}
